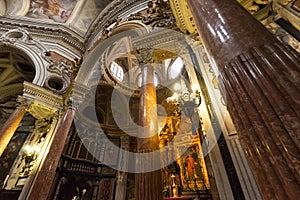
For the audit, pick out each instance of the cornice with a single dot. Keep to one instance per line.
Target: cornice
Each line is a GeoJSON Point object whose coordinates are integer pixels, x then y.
{"type": "Point", "coordinates": [165, 39]}
{"type": "Point", "coordinates": [44, 31]}
{"type": "Point", "coordinates": [42, 95]}
{"type": "Point", "coordinates": [40, 102]}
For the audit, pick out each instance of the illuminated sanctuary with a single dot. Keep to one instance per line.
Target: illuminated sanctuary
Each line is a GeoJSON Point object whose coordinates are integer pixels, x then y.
{"type": "Point", "coordinates": [149, 99]}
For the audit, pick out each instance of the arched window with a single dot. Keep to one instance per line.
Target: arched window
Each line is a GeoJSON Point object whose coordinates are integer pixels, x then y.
{"type": "Point", "coordinates": [117, 71]}
{"type": "Point", "coordinates": [175, 68]}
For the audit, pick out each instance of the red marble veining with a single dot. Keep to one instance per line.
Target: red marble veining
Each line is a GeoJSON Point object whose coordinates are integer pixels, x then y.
{"type": "Point", "coordinates": [274, 124]}
{"type": "Point", "coordinates": [148, 185]}
{"type": "Point", "coordinates": [42, 184]}
{"type": "Point", "coordinates": [227, 29]}
{"type": "Point", "coordinates": [148, 112]}
{"type": "Point", "coordinates": [259, 78]}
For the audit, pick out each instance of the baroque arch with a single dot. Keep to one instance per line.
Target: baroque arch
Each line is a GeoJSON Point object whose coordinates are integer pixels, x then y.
{"type": "Point", "coordinates": [92, 58]}
{"type": "Point", "coordinates": [20, 40]}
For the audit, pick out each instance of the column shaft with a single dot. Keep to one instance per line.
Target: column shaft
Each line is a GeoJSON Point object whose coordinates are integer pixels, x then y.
{"type": "Point", "coordinates": [41, 186]}
{"type": "Point", "coordinates": [148, 186]}
{"type": "Point", "coordinates": [122, 178]}
{"type": "Point", "coordinates": [10, 126]}
{"type": "Point", "coordinates": [148, 112]}
{"type": "Point", "coordinates": [259, 80]}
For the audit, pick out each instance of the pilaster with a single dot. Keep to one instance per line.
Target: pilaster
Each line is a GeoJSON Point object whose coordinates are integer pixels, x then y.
{"type": "Point", "coordinates": [47, 171]}
{"type": "Point", "coordinates": [45, 106]}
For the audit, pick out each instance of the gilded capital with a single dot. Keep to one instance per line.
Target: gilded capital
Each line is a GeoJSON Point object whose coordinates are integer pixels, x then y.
{"type": "Point", "coordinates": [40, 102]}
{"type": "Point", "coordinates": [151, 56]}
{"type": "Point", "coordinates": [145, 56]}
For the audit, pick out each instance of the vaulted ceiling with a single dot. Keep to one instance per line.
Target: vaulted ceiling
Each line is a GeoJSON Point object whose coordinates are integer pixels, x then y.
{"type": "Point", "coordinates": [81, 13]}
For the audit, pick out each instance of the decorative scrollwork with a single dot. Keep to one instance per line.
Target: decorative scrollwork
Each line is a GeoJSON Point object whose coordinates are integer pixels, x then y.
{"type": "Point", "coordinates": [158, 14]}
{"type": "Point", "coordinates": [15, 35]}
{"type": "Point", "coordinates": [145, 56]}
{"type": "Point", "coordinates": [61, 67]}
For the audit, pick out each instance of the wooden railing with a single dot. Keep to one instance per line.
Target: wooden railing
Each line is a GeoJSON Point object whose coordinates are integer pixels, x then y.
{"type": "Point", "coordinates": [80, 166]}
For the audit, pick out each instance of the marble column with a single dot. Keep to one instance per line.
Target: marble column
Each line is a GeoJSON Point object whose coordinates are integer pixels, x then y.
{"type": "Point", "coordinates": [259, 79]}
{"type": "Point", "coordinates": [10, 126]}
{"type": "Point", "coordinates": [41, 186]}
{"type": "Point", "coordinates": [148, 186]}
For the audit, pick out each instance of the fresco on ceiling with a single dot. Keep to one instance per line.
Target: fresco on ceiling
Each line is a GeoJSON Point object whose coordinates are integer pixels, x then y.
{"type": "Point", "coordinates": [56, 10]}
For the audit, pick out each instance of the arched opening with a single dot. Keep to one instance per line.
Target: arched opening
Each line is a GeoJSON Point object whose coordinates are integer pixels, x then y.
{"type": "Point", "coordinates": [15, 68]}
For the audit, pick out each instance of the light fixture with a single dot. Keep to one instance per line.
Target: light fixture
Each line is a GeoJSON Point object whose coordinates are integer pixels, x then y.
{"type": "Point", "coordinates": [189, 101]}
{"type": "Point", "coordinates": [186, 101]}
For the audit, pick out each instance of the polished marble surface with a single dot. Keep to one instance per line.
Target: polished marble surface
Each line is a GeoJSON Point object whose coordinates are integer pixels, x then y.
{"type": "Point", "coordinates": [259, 79]}
{"type": "Point", "coordinates": [48, 169]}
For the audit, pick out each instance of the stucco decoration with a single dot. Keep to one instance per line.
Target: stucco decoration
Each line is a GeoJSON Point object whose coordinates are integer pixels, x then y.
{"type": "Point", "coordinates": [21, 40]}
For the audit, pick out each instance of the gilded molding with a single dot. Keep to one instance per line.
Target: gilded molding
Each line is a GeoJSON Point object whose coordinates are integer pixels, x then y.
{"type": "Point", "coordinates": [284, 10]}
{"type": "Point", "coordinates": [42, 103]}
{"type": "Point", "coordinates": [145, 56]}
{"type": "Point", "coordinates": [183, 16]}
{"type": "Point", "coordinates": [158, 14]}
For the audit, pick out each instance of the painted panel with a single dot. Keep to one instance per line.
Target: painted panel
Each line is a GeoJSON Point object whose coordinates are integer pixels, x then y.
{"type": "Point", "coordinates": [89, 11]}
{"type": "Point", "coordinates": [56, 10]}
{"type": "Point", "coordinates": [10, 154]}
